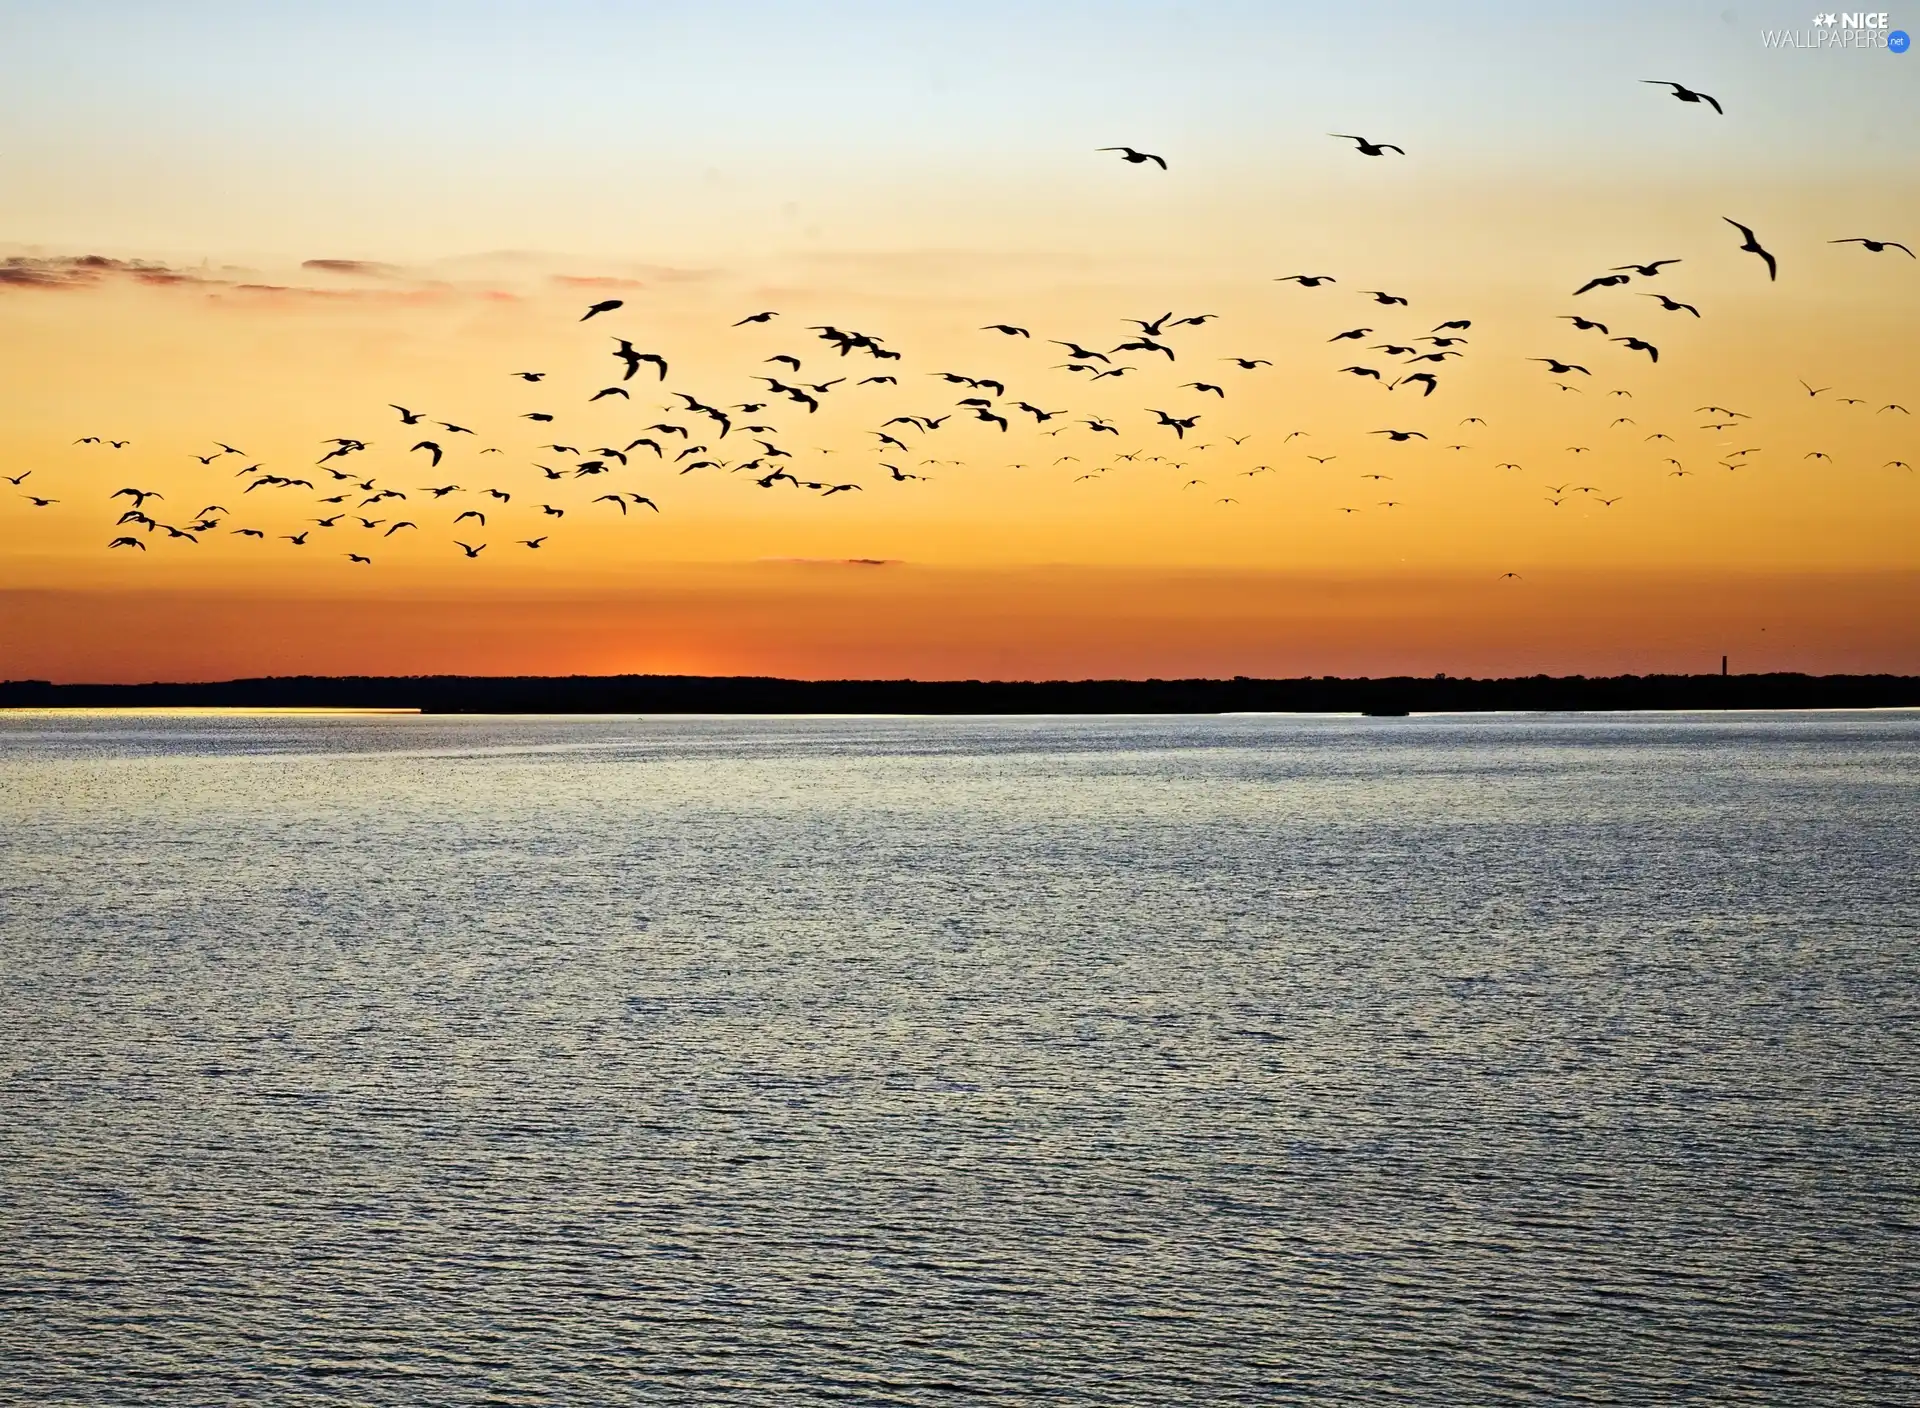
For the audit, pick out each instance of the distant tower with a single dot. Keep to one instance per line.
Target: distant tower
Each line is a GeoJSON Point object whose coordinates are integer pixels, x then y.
{"type": "Point", "coordinates": [1723, 667]}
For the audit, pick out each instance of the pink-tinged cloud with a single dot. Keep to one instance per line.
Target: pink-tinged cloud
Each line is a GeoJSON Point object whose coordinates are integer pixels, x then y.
{"type": "Point", "coordinates": [83, 271]}
{"type": "Point", "coordinates": [362, 267]}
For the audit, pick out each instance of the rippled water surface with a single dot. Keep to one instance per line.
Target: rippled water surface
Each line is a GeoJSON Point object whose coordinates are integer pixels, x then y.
{"type": "Point", "coordinates": [1439, 1061]}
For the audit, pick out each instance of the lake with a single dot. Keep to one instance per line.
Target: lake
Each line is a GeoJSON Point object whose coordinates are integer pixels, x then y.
{"type": "Point", "coordinates": [1443, 1060]}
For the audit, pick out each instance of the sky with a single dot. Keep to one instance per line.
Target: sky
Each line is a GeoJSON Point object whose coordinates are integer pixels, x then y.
{"type": "Point", "coordinates": [265, 225]}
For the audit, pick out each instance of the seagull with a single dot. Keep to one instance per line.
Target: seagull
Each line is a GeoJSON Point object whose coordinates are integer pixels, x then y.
{"type": "Point", "coordinates": [1635, 344]}
{"type": "Point", "coordinates": [1129, 155]}
{"type": "Point", "coordinates": [1603, 281]}
{"type": "Point", "coordinates": [1399, 436]}
{"type": "Point", "coordinates": [1673, 305]}
{"type": "Point", "coordinates": [1585, 324]}
{"type": "Point", "coordinates": [407, 417]}
{"type": "Point", "coordinates": [757, 318]}
{"type": "Point", "coordinates": [1365, 147]}
{"type": "Point", "coordinates": [430, 445]}
{"type": "Point", "coordinates": [1079, 354]}
{"type": "Point", "coordinates": [606, 306]}
{"type": "Point", "coordinates": [1008, 328]}
{"type": "Point", "coordinates": [625, 352]}
{"type": "Point", "coordinates": [1646, 271]}
{"type": "Point", "coordinates": [471, 551]}
{"type": "Point", "coordinates": [1876, 246]}
{"type": "Point", "coordinates": [1307, 280]}
{"type": "Point", "coordinates": [1247, 364]}
{"type": "Point", "coordinates": [1686, 94]}
{"type": "Point", "coordinates": [1385, 298]}
{"type": "Point", "coordinates": [127, 543]}
{"type": "Point", "coordinates": [1752, 246]}
{"type": "Point", "coordinates": [1560, 368]}
{"type": "Point", "coordinates": [529, 376]}
{"type": "Point", "coordinates": [356, 557]}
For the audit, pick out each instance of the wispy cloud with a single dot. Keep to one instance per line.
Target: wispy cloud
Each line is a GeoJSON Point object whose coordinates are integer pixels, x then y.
{"type": "Point", "coordinates": [84, 271]}
{"type": "Point", "coordinates": [368, 268]}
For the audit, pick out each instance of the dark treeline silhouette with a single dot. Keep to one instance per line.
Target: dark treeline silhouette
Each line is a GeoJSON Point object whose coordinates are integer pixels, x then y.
{"type": "Point", "coordinates": [694, 694]}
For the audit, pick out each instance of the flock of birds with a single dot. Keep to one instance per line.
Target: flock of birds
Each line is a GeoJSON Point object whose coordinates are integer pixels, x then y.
{"type": "Point", "coordinates": [356, 511]}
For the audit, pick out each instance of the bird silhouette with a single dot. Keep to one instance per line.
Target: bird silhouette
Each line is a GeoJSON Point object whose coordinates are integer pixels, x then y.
{"type": "Point", "coordinates": [1307, 280]}
{"type": "Point", "coordinates": [605, 306]}
{"type": "Point", "coordinates": [1875, 246]}
{"type": "Point", "coordinates": [1684, 93]}
{"type": "Point", "coordinates": [1673, 305]}
{"type": "Point", "coordinates": [1752, 246]}
{"type": "Point", "coordinates": [1365, 147]}
{"type": "Point", "coordinates": [1132, 157]}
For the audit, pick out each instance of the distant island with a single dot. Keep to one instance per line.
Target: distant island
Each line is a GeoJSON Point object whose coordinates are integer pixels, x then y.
{"type": "Point", "coordinates": [695, 694]}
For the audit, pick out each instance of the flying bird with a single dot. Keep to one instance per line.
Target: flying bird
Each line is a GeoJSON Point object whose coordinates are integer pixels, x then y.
{"type": "Point", "coordinates": [1132, 157]}
{"type": "Point", "coordinates": [1635, 344]}
{"type": "Point", "coordinates": [1673, 305]}
{"type": "Point", "coordinates": [1685, 94]}
{"type": "Point", "coordinates": [626, 353]}
{"type": "Point", "coordinates": [757, 318]}
{"type": "Point", "coordinates": [430, 445]}
{"type": "Point", "coordinates": [1365, 147]}
{"type": "Point", "coordinates": [605, 306]}
{"type": "Point", "coordinates": [1008, 328]}
{"type": "Point", "coordinates": [1307, 280]}
{"type": "Point", "coordinates": [1603, 281]}
{"type": "Point", "coordinates": [1876, 246]}
{"type": "Point", "coordinates": [1752, 246]}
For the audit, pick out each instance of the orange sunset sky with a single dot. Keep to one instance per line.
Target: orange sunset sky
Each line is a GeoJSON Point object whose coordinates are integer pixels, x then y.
{"type": "Point", "coordinates": [260, 226]}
